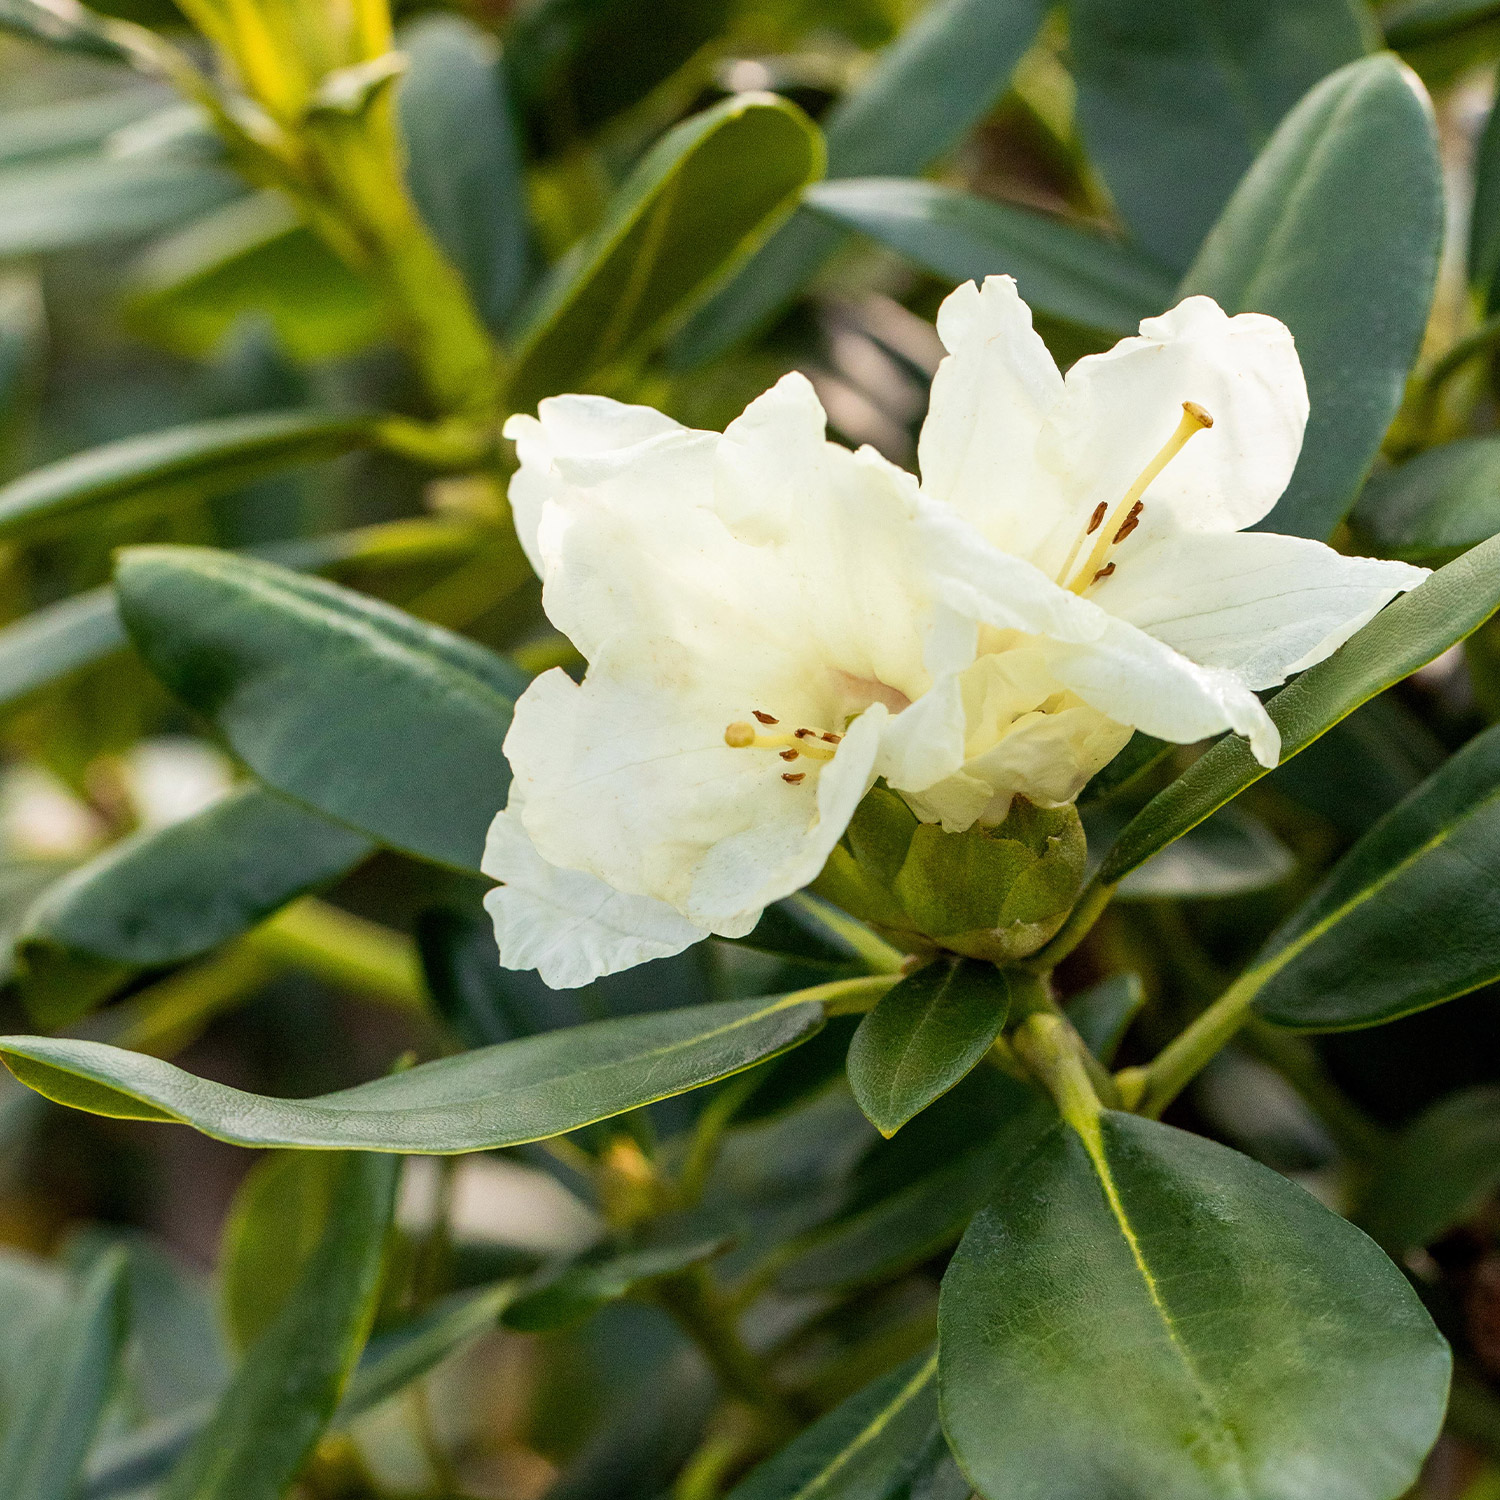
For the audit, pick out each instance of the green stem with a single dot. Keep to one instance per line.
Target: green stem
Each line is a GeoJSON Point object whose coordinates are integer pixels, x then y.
{"type": "Point", "coordinates": [847, 997]}
{"type": "Point", "coordinates": [701, 1311]}
{"type": "Point", "coordinates": [708, 1133]}
{"type": "Point", "coordinates": [1031, 995]}
{"type": "Point", "coordinates": [1043, 1042]}
{"type": "Point", "coordinates": [346, 950]}
{"type": "Point", "coordinates": [1481, 341]}
{"type": "Point", "coordinates": [170, 1014]}
{"type": "Point", "coordinates": [879, 956]}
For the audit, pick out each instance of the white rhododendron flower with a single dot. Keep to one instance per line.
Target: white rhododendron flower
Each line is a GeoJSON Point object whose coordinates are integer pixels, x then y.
{"type": "Point", "coordinates": [771, 622]}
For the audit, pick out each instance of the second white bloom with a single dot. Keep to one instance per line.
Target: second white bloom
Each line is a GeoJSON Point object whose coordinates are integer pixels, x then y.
{"type": "Point", "coordinates": [771, 622]}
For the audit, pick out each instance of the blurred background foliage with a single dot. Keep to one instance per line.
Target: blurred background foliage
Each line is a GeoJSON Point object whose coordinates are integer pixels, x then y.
{"type": "Point", "coordinates": [605, 193]}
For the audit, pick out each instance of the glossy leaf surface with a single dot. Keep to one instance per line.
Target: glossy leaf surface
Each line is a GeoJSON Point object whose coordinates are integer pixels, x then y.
{"type": "Point", "coordinates": [704, 197]}
{"type": "Point", "coordinates": [517, 1091]}
{"type": "Point", "coordinates": [923, 1036]}
{"type": "Point", "coordinates": [160, 469]}
{"type": "Point", "coordinates": [374, 718]}
{"type": "Point", "coordinates": [1187, 1324]}
{"type": "Point", "coordinates": [1294, 242]}
{"type": "Point", "coordinates": [166, 896]}
{"type": "Point", "coordinates": [1066, 272]}
{"type": "Point", "coordinates": [1174, 105]}
{"type": "Point", "coordinates": [1408, 917]}
{"type": "Point", "coordinates": [1407, 634]}
{"type": "Point", "coordinates": [924, 93]}
{"type": "Point", "coordinates": [862, 1449]}
{"type": "Point", "coordinates": [290, 1382]}
{"type": "Point", "coordinates": [1227, 855]}
{"type": "Point", "coordinates": [1442, 501]}
{"type": "Point", "coordinates": [70, 1375]}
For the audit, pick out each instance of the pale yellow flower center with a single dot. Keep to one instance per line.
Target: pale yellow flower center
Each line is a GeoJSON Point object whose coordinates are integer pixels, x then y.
{"type": "Point", "coordinates": [815, 745]}
{"type": "Point", "coordinates": [1111, 527]}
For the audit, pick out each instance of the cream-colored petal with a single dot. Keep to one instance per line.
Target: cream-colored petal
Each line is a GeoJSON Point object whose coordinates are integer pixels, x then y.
{"type": "Point", "coordinates": [571, 927]}
{"type": "Point", "coordinates": [925, 743]}
{"type": "Point", "coordinates": [1120, 408]}
{"type": "Point", "coordinates": [1135, 679]}
{"type": "Point", "coordinates": [978, 448]}
{"type": "Point", "coordinates": [568, 426]}
{"type": "Point", "coordinates": [1260, 604]}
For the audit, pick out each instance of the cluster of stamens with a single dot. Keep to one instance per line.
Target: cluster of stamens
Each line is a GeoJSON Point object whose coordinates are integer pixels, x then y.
{"type": "Point", "coordinates": [813, 744]}
{"type": "Point", "coordinates": [1113, 527]}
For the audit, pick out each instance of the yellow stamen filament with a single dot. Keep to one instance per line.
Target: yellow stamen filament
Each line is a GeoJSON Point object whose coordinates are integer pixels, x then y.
{"type": "Point", "coordinates": [815, 744]}
{"type": "Point", "coordinates": [1125, 517]}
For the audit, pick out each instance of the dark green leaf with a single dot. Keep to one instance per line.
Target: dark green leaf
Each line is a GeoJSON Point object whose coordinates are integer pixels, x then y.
{"type": "Point", "coordinates": [1169, 1318]}
{"type": "Point", "coordinates": [1070, 273]}
{"type": "Point", "coordinates": [1484, 217]}
{"type": "Point", "coordinates": [1175, 103]}
{"type": "Point", "coordinates": [923, 1036]}
{"type": "Point", "coordinates": [463, 160]}
{"type": "Point", "coordinates": [290, 1382]}
{"type": "Point", "coordinates": [922, 96]}
{"type": "Point", "coordinates": [1295, 242]}
{"type": "Point", "coordinates": [862, 1449]}
{"type": "Point", "coordinates": [705, 196]}
{"type": "Point", "coordinates": [810, 930]}
{"type": "Point", "coordinates": [1102, 1015]}
{"type": "Point", "coordinates": [1420, 21]}
{"type": "Point", "coordinates": [40, 648]}
{"type": "Point", "coordinates": [171, 894]}
{"type": "Point", "coordinates": [391, 1361]}
{"type": "Point", "coordinates": [1441, 502]}
{"type": "Point", "coordinates": [159, 469]}
{"type": "Point", "coordinates": [565, 1296]}
{"type": "Point", "coordinates": [1227, 855]}
{"type": "Point", "coordinates": [89, 200]}
{"type": "Point", "coordinates": [69, 1379]}
{"type": "Point", "coordinates": [1408, 917]}
{"type": "Point", "coordinates": [253, 258]}
{"type": "Point", "coordinates": [519, 1091]}
{"type": "Point", "coordinates": [1405, 635]}
{"type": "Point", "coordinates": [1444, 1165]}
{"type": "Point", "coordinates": [277, 1220]}
{"type": "Point", "coordinates": [337, 700]}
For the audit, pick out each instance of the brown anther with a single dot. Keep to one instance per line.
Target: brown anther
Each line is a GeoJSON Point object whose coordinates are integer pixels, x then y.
{"type": "Point", "coordinates": [788, 755]}
{"type": "Point", "coordinates": [1104, 572]}
{"type": "Point", "coordinates": [1197, 413]}
{"type": "Point", "coordinates": [833, 739]}
{"type": "Point", "coordinates": [763, 717]}
{"type": "Point", "coordinates": [1097, 519]}
{"type": "Point", "coordinates": [794, 778]}
{"type": "Point", "coordinates": [1130, 522]}
{"type": "Point", "coordinates": [805, 734]}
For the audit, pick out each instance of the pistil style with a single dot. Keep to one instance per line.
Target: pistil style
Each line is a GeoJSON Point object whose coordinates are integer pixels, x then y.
{"type": "Point", "coordinates": [1111, 529]}
{"type": "Point", "coordinates": [815, 744]}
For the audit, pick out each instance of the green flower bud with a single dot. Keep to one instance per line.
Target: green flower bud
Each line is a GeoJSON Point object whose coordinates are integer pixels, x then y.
{"type": "Point", "coordinates": [996, 893]}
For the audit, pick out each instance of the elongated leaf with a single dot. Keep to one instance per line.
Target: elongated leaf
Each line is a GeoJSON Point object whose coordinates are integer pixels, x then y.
{"type": "Point", "coordinates": [391, 1361]}
{"type": "Point", "coordinates": [1419, 21]}
{"type": "Point", "coordinates": [1445, 1164]}
{"type": "Point", "coordinates": [1157, 1315]}
{"type": "Point", "coordinates": [1226, 856]}
{"type": "Point", "coordinates": [1408, 917]}
{"type": "Point", "coordinates": [862, 1449]}
{"type": "Point", "coordinates": [463, 160]}
{"type": "Point", "coordinates": [1068, 272]}
{"type": "Point", "coordinates": [88, 200]}
{"type": "Point", "coordinates": [1406, 635]}
{"type": "Point", "coordinates": [1295, 242]}
{"type": "Point", "coordinates": [1441, 502]}
{"type": "Point", "coordinates": [1174, 105]}
{"type": "Point", "coordinates": [74, 125]}
{"type": "Point", "coordinates": [290, 1382]}
{"type": "Point", "coordinates": [159, 469]}
{"type": "Point", "coordinates": [277, 1220]}
{"type": "Point", "coordinates": [392, 726]}
{"type": "Point", "coordinates": [705, 196]}
{"type": "Point", "coordinates": [923, 1036]}
{"type": "Point", "coordinates": [72, 1369]}
{"type": "Point", "coordinates": [171, 894]}
{"type": "Point", "coordinates": [253, 257]}
{"type": "Point", "coordinates": [564, 1296]}
{"type": "Point", "coordinates": [922, 96]}
{"type": "Point", "coordinates": [496, 1096]}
